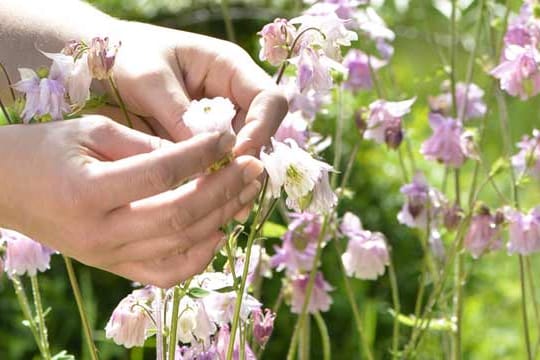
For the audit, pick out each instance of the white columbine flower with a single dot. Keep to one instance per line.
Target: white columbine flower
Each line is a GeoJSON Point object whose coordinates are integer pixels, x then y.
{"type": "Point", "coordinates": [304, 179]}
{"type": "Point", "coordinates": [210, 115]}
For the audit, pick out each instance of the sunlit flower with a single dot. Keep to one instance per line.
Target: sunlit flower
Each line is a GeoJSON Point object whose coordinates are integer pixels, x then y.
{"type": "Point", "coordinates": [263, 325]}
{"type": "Point", "coordinates": [313, 71]}
{"type": "Point", "coordinates": [24, 255]}
{"type": "Point", "coordinates": [527, 160]}
{"type": "Point", "coordinates": [101, 57]}
{"type": "Point", "coordinates": [276, 40]}
{"type": "Point", "coordinates": [384, 121]}
{"type": "Point", "coordinates": [320, 300]}
{"type": "Point", "coordinates": [303, 178]}
{"type": "Point", "coordinates": [210, 115]}
{"type": "Point", "coordinates": [524, 231]}
{"type": "Point", "coordinates": [307, 103]}
{"type": "Point", "coordinates": [359, 73]}
{"type": "Point", "coordinates": [484, 234]}
{"type": "Point", "coordinates": [294, 126]}
{"type": "Point", "coordinates": [194, 324]}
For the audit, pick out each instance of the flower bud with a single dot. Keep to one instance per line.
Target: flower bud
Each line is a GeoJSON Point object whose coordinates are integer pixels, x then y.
{"type": "Point", "coordinates": [263, 325]}
{"type": "Point", "coordinates": [393, 134]}
{"type": "Point", "coordinates": [452, 216]}
{"type": "Point", "coordinates": [101, 57]}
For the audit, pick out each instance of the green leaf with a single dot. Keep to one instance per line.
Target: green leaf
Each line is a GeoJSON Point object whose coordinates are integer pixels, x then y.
{"type": "Point", "coordinates": [498, 166]}
{"type": "Point", "coordinates": [226, 289]}
{"type": "Point", "coordinates": [63, 355]}
{"type": "Point", "coordinates": [273, 230]}
{"type": "Point", "coordinates": [197, 293]}
{"type": "Point", "coordinates": [441, 324]}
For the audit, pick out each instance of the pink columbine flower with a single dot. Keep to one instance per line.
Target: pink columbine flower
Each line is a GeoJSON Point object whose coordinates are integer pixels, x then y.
{"type": "Point", "coordinates": [259, 263]}
{"type": "Point", "coordinates": [304, 179]}
{"type": "Point", "coordinates": [263, 325]}
{"type": "Point", "coordinates": [527, 160]}
{"type": "Point", "coordinates": [384, 121]}
{"type": "Point", "coordinates": [220, 306]}
{"type": "Point", "coordinates": [366, 255]}
{"type": "Point", "coordinates": [371, 24]}
{"type": "Point", "coordinates": [470, 96]}
{"type": "Point", "coordinates": [308, 103]}
{"type": "Point", "coordinates": [447, 144]}
{"type": "Point", "coordinates": [313, 71]}
{"type": "Point", "coordinates": [209, 115]}
{"type": "Point", "coordinates": [524, 231]}
{"type": "Point", "coordinates": [101, 57]}
{"type": "Point", "coordinates": [423, 202]}
{"type": "Point", "coordinates": [344, 9]}
{"type": "Point", "coordinates": [295, 127]}
{"type": "Point", "coordinates": [359, 73]}
{"type": "Point", "coordinates": [130, 322]}
{"type": "Point", "coordinates": [518, 72]}
{"type": "Point", "coordinates": [276, 40]}
{"type": "Point", "coordinates": [484, 234]}
{"type": "Point", "coordinates": [320, 300]}
{"type": "Point", "coordinates": [297, 252]}
{"type": "Point", "coordinates": [24, 255]}
{"type": "Point", "coordinates": [223, 339]}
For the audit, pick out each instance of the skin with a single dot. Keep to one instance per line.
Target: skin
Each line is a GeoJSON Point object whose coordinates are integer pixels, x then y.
{"type": "Point", "coordinates": [109, 196]}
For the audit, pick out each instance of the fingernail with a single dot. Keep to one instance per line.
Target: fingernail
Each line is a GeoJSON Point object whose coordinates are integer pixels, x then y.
{"type": "Point", "coordinates": [220, 245]}
{"type": "Point", "coordinates": [243, 215]}
{"type": "Point", "coordinates": [253, 169]}
{"type": "Point", "coordinates": [226, 142]}
{"type": "Point", "coordinates": [249, 193]}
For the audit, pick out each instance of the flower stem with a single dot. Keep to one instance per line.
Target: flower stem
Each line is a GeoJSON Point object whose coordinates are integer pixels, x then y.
{"type": "Point", "coordinates": [40, 317]}
{"type": "Point", "coordinates": [160, 344]}
{"type": "Point", "coordinates": [8, 79]}
{"type": "Point", "coordinates": [338, 138]}
{"type": "Point", "coordinates": [120, 101]}
{"type": "Point", "coordinates": [27, 312]}
{"type": "Point", "coordinates": [397, 307]}
{"type": "Point", "coordinates": [229, 28]}
{"type": "Point", "coordinates": [325, 338]}
{"type": "Point", "coordinates": [80, 306]}
{"type": "Point", "coordinates": [6, 114]}
{"type": "Point", "coordinates": [178, 294]}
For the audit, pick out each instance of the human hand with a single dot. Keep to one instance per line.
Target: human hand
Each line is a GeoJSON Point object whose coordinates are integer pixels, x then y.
{"type": "Point", "coordinates": [159, 70]}
{"type": "Point", "coordinates": [105, 195]}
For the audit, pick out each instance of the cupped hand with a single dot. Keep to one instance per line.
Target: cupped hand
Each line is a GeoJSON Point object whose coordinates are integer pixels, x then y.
{"type": "Point", "coordinates": [108, 196]}
{"type": "Point", "coordinates": [159, 70]}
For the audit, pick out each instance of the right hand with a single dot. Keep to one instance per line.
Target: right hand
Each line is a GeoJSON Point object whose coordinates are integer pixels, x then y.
{"type": "Point", "coordinates": [107, 195]}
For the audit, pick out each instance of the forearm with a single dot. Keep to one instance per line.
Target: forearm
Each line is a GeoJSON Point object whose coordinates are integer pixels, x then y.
{"type": "Point", "coordinates": [27, 25]}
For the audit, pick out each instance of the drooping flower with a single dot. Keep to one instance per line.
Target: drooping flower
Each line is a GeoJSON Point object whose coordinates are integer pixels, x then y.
{"type": "Point", "coordinates": [307, 103]}
{"type": "Point", "coordinates": [294, 126]}
{"type": "Point", "coordinates": [344, 9]}
{"type": "Point", "coordinates": [423, 203]}
{"type": "Point", "coordinates": [384, 121]}
{"type": "Point", "coordinates": [359, 73]}
{"type": "Point", "coordinates": [220, 306]}
{"type": "Point", "coordinates": [484, 234]}
{"type": "Point", "coordinates": [320, 300]}
{"type": "Point", "coordinates": [524, 231]}
{"type": "Point", "coordinates": [101, 57]}
{"type": "Point", "coordinates": [130, 322]}
{"type": "Point", "coordinates": [276, 40]}
{"type": "Point", "coordinates": [297, 252]}
{"type": "Point", "coordinates": [350, 225]}
{"type": "Point", "coordinates": [24, 255]}
{"type": "Point", "coordinates": [263, 325]}
{"type": "Point", "coordinates": [527, 160]}
{"type": "Point", "coordinates": [259, 263]}
{"type": "Point", "coordinates": [194, 324]}
{"type": "Point", "coordinates": [223, 339]}
{"type": "Point", "coordinates": [447, 144]}
{"type": "Point", "coordinates": [304, 179]}
{"type": "Point", "coordinates": [313, 71]}
{"type": "Point", "coordinates": [470, 96]}
{"type": "Point", "coordinates": [518, 72]}
{"type": "Point", "coordinates": [209, 115]}
{"type": "Point", "coordinates": [371, 24]}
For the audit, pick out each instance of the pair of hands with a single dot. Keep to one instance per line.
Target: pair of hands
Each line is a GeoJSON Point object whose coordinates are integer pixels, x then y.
{"type": "Point", "coordinates": [107, 195]}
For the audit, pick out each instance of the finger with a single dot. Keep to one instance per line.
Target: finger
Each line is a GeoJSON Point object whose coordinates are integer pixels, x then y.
{"type": "Point", "coordinates": [174, 211]}
{"type": "Point", "coordinates": [243, 214]}
{"type": "Point", "coordinates": [262, 120]}
{"type": "Point", "coordinates": [182, 241]}
{"type": "Point", "coordinates": [144, 175]}
{"type": "Point", "coordinates": [168, 272]}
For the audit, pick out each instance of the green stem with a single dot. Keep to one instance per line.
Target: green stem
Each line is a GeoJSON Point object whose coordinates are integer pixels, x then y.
{"type": "Point", "coordinates": [524, 307]}
{"type": "Point", "coordinates": [458, 285]}
{"type": "Point", "coordinates": [397, 307]}
{"type": "Point", "coordinates": [453, 51]}
{"type": "Point", "coordinates": [80, 306]}
{"type": "Point", "coordinates": [6, 114]}
{"type": "Point", "coordinates": [40, 317]}
{"type": "Point", "coordinates": [403, 167]}
{"type": "Point", "coordinates": [27, 312]}
{"type": "Point", "coordinates": [305, 339]}
{"type": "Point", "coordinates": [120, 101]}
{"type": "Point", "coordinates": [8, 79]}
{"type": "Point", "coordinates": [228, 21]}
{"type": "Point", "coordinates": [178, 294]}
{"type": "Point", "coordinates": [338, 138]}
{"type": "Point", "coordinates": [325, 338]}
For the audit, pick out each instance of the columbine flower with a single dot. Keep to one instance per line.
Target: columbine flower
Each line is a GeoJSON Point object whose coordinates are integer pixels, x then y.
{"type": "Point", "coordinates": [344, 9]}
{"type": "Point", "coordinates": [518, 72]}
{"type": "Point", "coordinates": [313, 71]}
{"type": "Point", "coordinates": [223, 339]}
{"type": "Point", "coordinates": [101, 57]}
{"type": "Point", "coordinates": [483, 234]}
{"type": "Point", "coordinates": [447, 144]}
{"type": "Point", "coordinates": [210, 115]}
{"type": "Point", "coordinates": [24, 255]}
{"type": "Point", "coordinates": [384, 121]}
{"type": "Point", "coordinates": [304, 179]}
{"type": "Point", "coordinates": [308, 103]}
{"type": "Point", "coordinates": [524, 231]}
{"type": "Point", "coordinates": [422, 202]}
{"type": "Point", "coordinates": [194, 324]}
{"type": "Point", "coordinates": [263, 325]}
{"type": "Point", "coordinates": [367, 253]}
{"type": "Point", "coordinates": [129, 322]}
{"type": "Point", "coordinates": [528, 158]}
{"type": "Point", "coordinates": [299, 244]}
{"type": "Point", "coordinates": [294, 126]}
{"type": "Point", "coordinates": [359, 74]}
{"type": "Point", "coordinates": [472, 98]}
{"type": "Point", "coordinates": [220, 306]}
{"type": "Point", "coordinates": [375, 28]}
{"type": "Point", "coordinates": [276, 40]}
{"type": "Point", "coordinates": [259, 263]}
{"type": "Point", "coordinates": [319, 300]}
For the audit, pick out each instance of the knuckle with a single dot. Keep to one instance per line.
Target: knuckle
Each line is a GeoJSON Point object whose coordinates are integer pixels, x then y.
{"type": "Point", "coordinates": [160, 177]}
{"type": "Point", "coordinates": [179, 219]}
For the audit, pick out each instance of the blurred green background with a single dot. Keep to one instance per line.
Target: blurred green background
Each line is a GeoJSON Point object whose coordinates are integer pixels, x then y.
{"type": "Point", "coordinates": [492, 321]}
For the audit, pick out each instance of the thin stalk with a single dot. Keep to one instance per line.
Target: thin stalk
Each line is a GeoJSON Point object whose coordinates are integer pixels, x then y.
{"type": "Point", "coordinates": [403, 167]}
{"type": "Point", "coordinates": [8, 79]}
{"type": "Point", "coordinates": [228, 21]}
{"type": "Point", "coordinates": [304, 342]}
{"type": "Point", "coordinates": [458, 284]}
{"type": "Point", "coordinates": [338, 138]}
{"type": "Point", "coordinates": [80, 306]}
{"type": "Point", "coordinates": [532, 288]}
{"type": "Point", "coordinates": [453, 54]}
{"type": "Point", "coordinates": [178, 294]}
{"type": "Point", "coordinates": [40, 316]}
{"type": "Point", "coordinates": [27, 312]}
{"type": "Point", "coordinates": [397, 308]}
{"type": "Point", "coordinates": [6, 114]}
{"type": "Point", "coordinates": [325, 338]}
{"type": "Point", "coordinates": [160, 344]}
{"type": "Point", "coordinates": [120, 101]}
{"type": "Point", "coordinates": [524, 307]}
